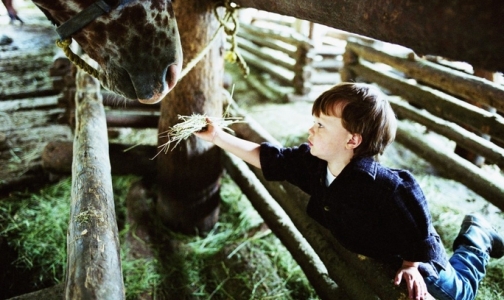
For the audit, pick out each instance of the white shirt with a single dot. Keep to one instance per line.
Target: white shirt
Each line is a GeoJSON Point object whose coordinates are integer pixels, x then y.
{"type": "Point", "coordinates": [329, 177]}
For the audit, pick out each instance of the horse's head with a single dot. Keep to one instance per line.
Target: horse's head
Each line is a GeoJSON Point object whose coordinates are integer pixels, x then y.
{"type": "Point", "coordinates": [135, 42]}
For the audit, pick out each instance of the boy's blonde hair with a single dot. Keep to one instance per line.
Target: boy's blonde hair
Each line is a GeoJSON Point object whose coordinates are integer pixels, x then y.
{"type": "Point", "coordinates": [365, 111]}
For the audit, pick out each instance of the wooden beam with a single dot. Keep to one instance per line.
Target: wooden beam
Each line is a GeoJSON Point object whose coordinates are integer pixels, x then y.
{"type": "Point", "coordinates": [284, 76]}
{"type": "Point", "coordinates": [57, 158]}
{"type": "Point", "coordinates": [466, 86]}
{"type": "Point", "coordinates": [280, 223]}
{"type": "Point", "coordinates": [465, 30]}
{"type": "Point", "coordinates": [285, 62]}
{"type": "Point", "coordinates": [455, 167]}
{"type": "Point", "coordinates": [29, 103]}
{"type": "Point", "coordinates": [93, 259]}
{"type": "Point", "coordinates": [435, 101]}
{"type": "Point", "coordinates": [452, 131]}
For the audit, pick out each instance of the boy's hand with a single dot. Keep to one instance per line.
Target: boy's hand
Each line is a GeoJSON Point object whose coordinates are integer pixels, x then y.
{"type": "Point", "coordinates": [414, 280]}
{"type": "Point", "coordinates": [208, 132]}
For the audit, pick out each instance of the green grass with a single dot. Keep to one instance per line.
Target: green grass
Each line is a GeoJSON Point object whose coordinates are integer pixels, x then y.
{"type": "Point", "coordinates": [35, 226]}
{"type": "Point", "coordinates": [238, 259]}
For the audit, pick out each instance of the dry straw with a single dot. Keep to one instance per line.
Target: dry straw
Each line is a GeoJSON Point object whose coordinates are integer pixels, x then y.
{"type": "Point", "coordinates": [191, 124]}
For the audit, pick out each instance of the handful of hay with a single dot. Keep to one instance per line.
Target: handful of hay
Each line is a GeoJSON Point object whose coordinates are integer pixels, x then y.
{"type": "Point", "coordinates": [191, 124]}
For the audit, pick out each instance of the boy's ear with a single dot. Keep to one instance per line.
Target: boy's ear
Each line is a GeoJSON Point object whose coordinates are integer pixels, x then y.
{"type": "Point", "coordinates": [354, 141]}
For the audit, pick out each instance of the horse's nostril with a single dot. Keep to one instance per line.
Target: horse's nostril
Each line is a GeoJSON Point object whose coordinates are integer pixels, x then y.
{"type": "Point", "coordinates": [172, 76]}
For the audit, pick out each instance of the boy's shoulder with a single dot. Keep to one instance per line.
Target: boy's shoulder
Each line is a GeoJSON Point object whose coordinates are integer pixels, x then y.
{"type": "Point", "coordinates": [382, 174]}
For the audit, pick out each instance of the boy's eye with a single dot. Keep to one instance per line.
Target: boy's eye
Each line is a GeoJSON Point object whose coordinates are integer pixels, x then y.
{"type": "Point", "coordinates": [320, 125]}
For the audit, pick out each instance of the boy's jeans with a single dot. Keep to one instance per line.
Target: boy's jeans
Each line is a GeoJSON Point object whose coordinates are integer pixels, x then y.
{"type": "Point", "coordinates": [461, 278]}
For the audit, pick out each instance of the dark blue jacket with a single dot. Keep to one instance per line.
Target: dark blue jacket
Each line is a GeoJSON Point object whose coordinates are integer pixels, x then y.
{"type": "Point", "coordinates": [370, 209]}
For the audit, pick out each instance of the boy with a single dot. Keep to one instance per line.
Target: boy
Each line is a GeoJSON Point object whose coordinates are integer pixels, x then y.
{"type": "Point", "coordinates": [370, 209]}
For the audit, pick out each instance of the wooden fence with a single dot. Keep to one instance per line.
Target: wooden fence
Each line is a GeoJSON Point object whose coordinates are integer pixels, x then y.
{"type": "Point", "coordinates": [436, 97]}
{"type": "Point", "coordinates": [290, 57]}
{"type": "Point", "coordinates": [334, 272]}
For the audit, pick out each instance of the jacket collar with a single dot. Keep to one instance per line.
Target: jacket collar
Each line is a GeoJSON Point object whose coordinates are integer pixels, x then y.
{"type": "Point", "coordinates": [365, 165]}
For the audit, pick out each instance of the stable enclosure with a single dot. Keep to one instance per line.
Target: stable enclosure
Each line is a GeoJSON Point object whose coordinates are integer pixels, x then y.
{"type": "Point", "coordinates": [430, 94]}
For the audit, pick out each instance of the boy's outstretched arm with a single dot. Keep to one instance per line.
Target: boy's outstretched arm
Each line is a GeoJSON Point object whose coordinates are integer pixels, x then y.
{"type": "Point", "coordinates": [246, 150]}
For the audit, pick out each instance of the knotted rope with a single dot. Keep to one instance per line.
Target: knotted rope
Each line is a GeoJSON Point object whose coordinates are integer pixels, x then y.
{"type": "Point", "coordinates": [75, 59]}
{"type": "Point", "coordinates": [232, 55]}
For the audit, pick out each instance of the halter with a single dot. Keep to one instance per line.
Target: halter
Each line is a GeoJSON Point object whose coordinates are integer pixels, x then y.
{"type": "Point", "coordinates": [100, 7]}
{"type": "Point", "coordinates": [75, 24]}
{"type": "Point", "coordinates": [83, 18]}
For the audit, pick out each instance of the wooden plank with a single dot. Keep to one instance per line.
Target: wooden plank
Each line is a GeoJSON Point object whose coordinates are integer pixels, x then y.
{"type": "Point", "coordinates": [29, 103]}
{"type": "Point", "coordinates": [288, 36]}
{"type": "Point", "coordinates": [275, 58]}
{"type": "Point", "coordinates": [270, 43]}
{"type": "Point", "coordinates": [455, 167]}
{"type": "Point", "coordinates": [284, 228]}
{"type": "Point", "coordinates": [57, 158]}
{"type": "Point", "coordinates": [94, 263]}
{"type": "Point", "coordinates": [434, 101]}
{"type": "Point", "coordinates": [455, 82]}
{"type": "Point", "coordinates": [277, 72]}
{"type": "Point", "coordinates": [465, 30]}
{"type": "Point", "coordinates": [450, 130]}
{"type": "Point", "coordinates": [26, 87]}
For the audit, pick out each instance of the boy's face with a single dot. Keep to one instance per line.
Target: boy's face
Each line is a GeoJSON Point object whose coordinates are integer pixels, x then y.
{"type": "Point", "coordinates": [328, 138]}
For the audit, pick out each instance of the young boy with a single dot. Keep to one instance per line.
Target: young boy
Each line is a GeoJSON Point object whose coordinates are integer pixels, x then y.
{"type": "Point", "coordinates": [370, 209]}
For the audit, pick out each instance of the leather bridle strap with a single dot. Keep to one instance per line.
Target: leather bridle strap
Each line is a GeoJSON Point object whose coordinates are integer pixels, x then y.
{"type": "Point", "coordinates": [83, 18]}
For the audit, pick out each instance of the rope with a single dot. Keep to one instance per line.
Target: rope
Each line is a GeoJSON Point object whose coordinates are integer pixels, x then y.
{"type": "Point", "coordinates": [231, 55]}
{"type": "Point", "coordinates": [75, 59]}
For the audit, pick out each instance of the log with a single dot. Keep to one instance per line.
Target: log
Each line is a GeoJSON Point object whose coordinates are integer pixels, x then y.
{"type": "Point", "coordinates": [124, 159]}
{"type": "Point", "coordinates": [29, 103]}
{"type": "Point", "coordinates": [332, 65]}
{"type": "Point", "coordinates": [31, 89]}
{"type": "Point", "coordinates": [434, 101]}
{"type": "Point", "coordinates": [288, 36]}
{"type": "Point", "coordinates": [34, 176]}
{"type": "Point", "coordinates": [455, 167]}
{"type": "Point", "coordinates": [22, 66]}
{"type": "Point", "coordinates": [450, 130]}
{"type": "Point", "coordinates": [303, 71]}
{"type": "Point", "coordinates": [455, 82]}
{"type": "Point", "coordinates": [285, 62]}
{"type": "Point", "coordinates": [282, 75]}
{"type": "Point", "coordinates": [93, 259]}
{"type": "Point", "coordinates": [288, 49]}
{"type": "Point", "coordinates": [189, 177]}
{"type": "Point", "coordinates": [465, 30]}
{"type": "Point", "coordinates": [282, 226]}
{"type": "Point", "coordinates": [54, 292]}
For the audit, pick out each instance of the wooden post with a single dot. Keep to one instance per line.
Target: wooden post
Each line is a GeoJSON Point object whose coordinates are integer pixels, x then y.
{"type": "Point", "coordinates": [189, 176]}
{"type": "Point", "coordinates": [93, 259]}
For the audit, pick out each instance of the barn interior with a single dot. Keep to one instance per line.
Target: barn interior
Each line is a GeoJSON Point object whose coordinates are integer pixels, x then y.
{"type": "Point", "coordinates": [444, 82]}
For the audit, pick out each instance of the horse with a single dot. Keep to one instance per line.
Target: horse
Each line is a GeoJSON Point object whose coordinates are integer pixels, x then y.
{"type": "Point", "coordinates": [136, 43]}
{"type": "Point", "coordinates": [11, 11]}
